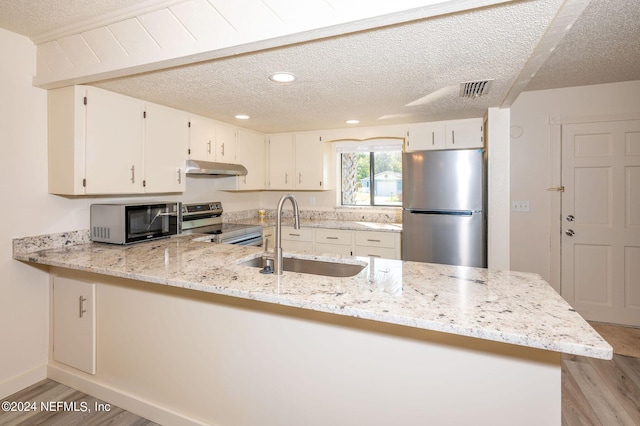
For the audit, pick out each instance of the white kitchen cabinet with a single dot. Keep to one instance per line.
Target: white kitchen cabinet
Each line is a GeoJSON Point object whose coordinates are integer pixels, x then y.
{"type": "Point", "coordinates": [100, 143]}
{"type": "Point", "coordinates": [202, 138]}
{"type": "Point", "coordinates": [226, 144]}
{"type": "Point", "coordinates": [74, 323]}
{"type": "Point", "coordinates": [467, 133]}
{"type": "Point", "coordinates": [165, 148]}
{"type": "Point", "coordinates": [378, 244]}
{"type": "Point", "coordinates": [281, 161]}
{"type": "Point", "coordinates": [424, 136]}
{"type": "Point", "coordinates": [297, 161]}
{"type": "Point", "coordinates": [95, 142]}
{"type": "Point", "coordinates": [210, 140]}
{"type": "Point", "coordinates": [310, 170]}
{"type": "Point", "coordinates": [297, 239]}
{"type": "Point", "coordinates": [251, 154]}
{"type": "Point", "coordinates": [333, 241]}
{"type": "Point", "coordinates": [451, 134]}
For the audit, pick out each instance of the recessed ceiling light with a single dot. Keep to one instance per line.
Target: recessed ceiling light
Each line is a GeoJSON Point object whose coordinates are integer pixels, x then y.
{"type": "Point", "coordinates": [282, 77]}
{"type": "Point", "coordinates": [242, 117]}
{"type": "Point", "coordinates": [352, 121]}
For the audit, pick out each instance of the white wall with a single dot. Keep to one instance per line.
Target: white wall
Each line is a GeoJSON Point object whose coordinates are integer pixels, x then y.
{"type": "Point", "coordinates": [29, 210]}
{"type": "Point", "coordinates": [532, 156]}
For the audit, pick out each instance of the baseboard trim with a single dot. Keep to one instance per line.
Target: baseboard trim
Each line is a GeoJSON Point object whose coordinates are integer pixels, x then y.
{"type": "Point", "coordinates": [124, 400]}
{"type": "Point", "coordinates": [23, 380]}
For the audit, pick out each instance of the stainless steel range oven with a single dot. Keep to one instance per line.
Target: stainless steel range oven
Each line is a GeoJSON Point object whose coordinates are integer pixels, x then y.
{"type": "Point", "coordinates": [206, 218]}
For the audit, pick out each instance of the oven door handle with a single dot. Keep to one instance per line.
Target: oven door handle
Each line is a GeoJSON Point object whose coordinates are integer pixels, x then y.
{"type": "Point", "coordinates": [243, 238]}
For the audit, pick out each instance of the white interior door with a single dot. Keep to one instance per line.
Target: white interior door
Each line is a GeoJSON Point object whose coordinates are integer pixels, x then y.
{"type": "Point", "coordinates": [601, 220]}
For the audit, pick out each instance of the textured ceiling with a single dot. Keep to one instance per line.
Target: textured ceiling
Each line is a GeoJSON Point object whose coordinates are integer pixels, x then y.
{"type": "Point", "coordinates": [404, 73]}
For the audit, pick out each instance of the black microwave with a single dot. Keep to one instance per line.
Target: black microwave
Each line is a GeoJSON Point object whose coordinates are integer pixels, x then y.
{"type": "Point", "coordinates": [131, 223]}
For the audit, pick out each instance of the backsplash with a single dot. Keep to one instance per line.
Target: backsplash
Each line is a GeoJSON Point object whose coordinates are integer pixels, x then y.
{"type": "Point", "coordinates": [50, 241]}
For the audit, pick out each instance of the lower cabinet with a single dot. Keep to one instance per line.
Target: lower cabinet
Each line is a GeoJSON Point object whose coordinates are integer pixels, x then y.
{"type": "Point", "coordinates": [378, 244]}
{"type": "Point", "coordinates": [336, 241]}
{"type": "Point", "coordinates": [297, 239]}
{"type": "Point", "coordinates": [74, 323]}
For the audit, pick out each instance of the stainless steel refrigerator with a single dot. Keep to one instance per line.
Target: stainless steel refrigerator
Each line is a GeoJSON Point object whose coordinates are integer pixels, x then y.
{"type": "Point", "coordinates": [444, 207]}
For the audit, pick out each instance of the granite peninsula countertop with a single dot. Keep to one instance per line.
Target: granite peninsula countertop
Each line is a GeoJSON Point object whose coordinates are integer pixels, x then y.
{"type": "Point", "coordinates": [511, 307]}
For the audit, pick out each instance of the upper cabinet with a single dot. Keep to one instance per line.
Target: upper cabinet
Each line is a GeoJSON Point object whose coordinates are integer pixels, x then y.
{"type": "Point", "coordinates": [210, 140]}
{"type": "Point", "coordinates": [165, 146]}
{"type": "Point", "coordinates": [101, 143]}
{"type": "Point", "coordinates": [297, 161]}
{"type": "Point", "coordinates": [452, 134]}
{"type": "Point", "coordinates": [251, 154]}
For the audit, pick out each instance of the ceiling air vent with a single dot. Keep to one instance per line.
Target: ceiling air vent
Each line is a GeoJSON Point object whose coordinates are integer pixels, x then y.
{"type": "Point", "coordinates": [473, 89]}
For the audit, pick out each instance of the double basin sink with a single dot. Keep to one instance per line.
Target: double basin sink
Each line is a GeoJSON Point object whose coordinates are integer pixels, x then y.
{"type": "Point", "coordinates": [314, 267]}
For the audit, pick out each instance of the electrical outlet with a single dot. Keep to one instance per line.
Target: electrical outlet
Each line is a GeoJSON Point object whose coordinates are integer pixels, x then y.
{"type": "Point", "coordinates": [312, 201]}
{"type": "Point", "coordinates": [520, 206]}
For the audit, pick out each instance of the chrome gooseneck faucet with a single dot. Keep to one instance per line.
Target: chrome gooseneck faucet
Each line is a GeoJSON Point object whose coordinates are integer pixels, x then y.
{"type": "Point", "coordinates": [277, 258]}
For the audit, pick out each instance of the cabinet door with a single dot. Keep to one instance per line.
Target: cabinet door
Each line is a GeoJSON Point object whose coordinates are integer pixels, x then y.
{"type": "Point", "coordinates": [251, 152]}
{"type": "Point", "coordinates": [165, 148]}
{"type": "Point", "coordinates": [226, 144]}
{"type": "Point", "coordinates": [114, 143]}
{"type": "Point", "coordinates": [281, 167]}
{"type": "Point", "coordinates": [202, 139]}
{"type": "Point", "coordinates": [466, 133]}
{"type": "Point", "coordinates": [309, 162]}
{"type": "Point", "coordinates": [74, 323]}
{"type": "Point", "coordinates": [423, 136]}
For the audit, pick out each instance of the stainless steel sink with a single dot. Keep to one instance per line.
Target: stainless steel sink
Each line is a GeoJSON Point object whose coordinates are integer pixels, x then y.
{"type": "Point", "coordinates": [315, 267]}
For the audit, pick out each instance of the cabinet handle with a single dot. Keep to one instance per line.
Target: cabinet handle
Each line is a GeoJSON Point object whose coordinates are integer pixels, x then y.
{"type": "Point", "coordinates": [433, 138]}
{"type": "Point", "coordinates": [286, 178]}
{"type": "Point", "coordinates": [222, 150]}
{"type": "Point", "coordinates": [209, 147]}
{"type": "Point", "coordinates": [373, 255]}
{"type": "Point", "coordinates": [133, 174]}
{"type": "Point", "coordinates": [373, 241]}
{"type": "Point", "coordinates": [299, 177]}
{"type": "Point", "coordinates": [294, 235]}
{"type": "Point", "coordinates": [179, 176]}
{"type": "Point", "coordinates": [332, 238]}
{"type": "Point", "coordinates": [453, 137]}
{"type": "Point", "coordinates": [81, 301]}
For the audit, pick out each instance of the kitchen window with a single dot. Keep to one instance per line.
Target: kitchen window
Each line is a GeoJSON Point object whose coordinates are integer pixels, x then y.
{"type": "Point", "coordinates": [370, 172]}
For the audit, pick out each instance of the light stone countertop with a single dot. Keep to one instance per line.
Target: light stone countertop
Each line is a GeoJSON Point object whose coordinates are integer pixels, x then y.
{"type": "Point", "coordinates": [511, 307]}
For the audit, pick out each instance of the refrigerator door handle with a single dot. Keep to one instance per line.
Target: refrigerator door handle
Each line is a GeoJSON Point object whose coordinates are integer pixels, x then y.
{"type": "Point", "coordinates": [443, 212]}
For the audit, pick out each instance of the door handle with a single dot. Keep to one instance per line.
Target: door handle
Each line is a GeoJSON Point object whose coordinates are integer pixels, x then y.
{"type": "Point", "coordinates": [570, 232]}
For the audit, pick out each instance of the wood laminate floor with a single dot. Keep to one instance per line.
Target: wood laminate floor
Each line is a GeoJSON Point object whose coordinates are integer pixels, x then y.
{"type": "Point", "coordinates": [81, 409]}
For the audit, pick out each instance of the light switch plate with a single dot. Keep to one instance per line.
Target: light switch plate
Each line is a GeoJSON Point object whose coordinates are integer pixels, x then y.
{"type": "Point", "coordinates": [520, 206]}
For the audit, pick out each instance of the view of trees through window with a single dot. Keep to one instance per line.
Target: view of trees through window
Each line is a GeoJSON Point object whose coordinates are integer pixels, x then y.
{"type": "Point", "coordinates": [372, 178]}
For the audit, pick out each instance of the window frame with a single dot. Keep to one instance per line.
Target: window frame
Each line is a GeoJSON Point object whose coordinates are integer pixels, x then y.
{"type": "Point", "coordinates": [371, 146]}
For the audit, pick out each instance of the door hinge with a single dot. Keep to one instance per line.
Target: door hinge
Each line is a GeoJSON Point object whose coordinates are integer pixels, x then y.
{"type": "Point", "coordinates": [189, 124]}
{"type": "Point", "coordinates": [85, 100]}
{"type": "Point", "coordinates": [84, 183]}
{"type": "Point", "coordinates": [144, 114]}
{"type": "Point", "coordinates": [189, 151]}
{"type": "Point", "coordinates": [144, 183]}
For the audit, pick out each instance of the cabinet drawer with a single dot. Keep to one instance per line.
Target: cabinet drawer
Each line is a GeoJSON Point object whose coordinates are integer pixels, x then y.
{"type": "Point", "coordinates": [386, 253]}
{"type": "Point", "coordinates": [292, 245]}
{"type": "Point", "coordinates": [376, 239]}
{"type": "Point", "coordinates": [333, 249]}
{"type": "Point", "coordinates": [334, 236]}
{"type": "Point", "coordinates": [292, 234]}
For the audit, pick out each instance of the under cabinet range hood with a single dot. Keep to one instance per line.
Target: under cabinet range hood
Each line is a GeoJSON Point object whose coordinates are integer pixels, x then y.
{"type": "Point", "coordinates": [208, 168]}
